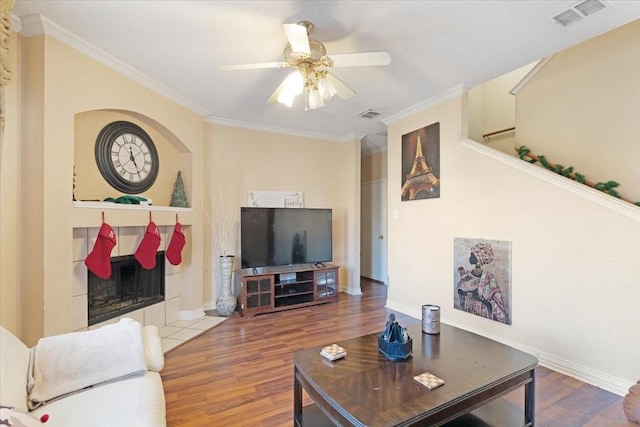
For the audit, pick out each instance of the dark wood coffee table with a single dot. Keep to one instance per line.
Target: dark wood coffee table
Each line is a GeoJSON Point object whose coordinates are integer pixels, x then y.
{"type": "Point", "coordinates": [366, 389]}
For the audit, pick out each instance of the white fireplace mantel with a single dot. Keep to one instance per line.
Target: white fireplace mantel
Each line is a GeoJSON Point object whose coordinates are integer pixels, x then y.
{"type": "Point", "coordinates": [89, 214]}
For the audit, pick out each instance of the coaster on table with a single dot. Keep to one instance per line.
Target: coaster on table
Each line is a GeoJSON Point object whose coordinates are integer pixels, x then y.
{"type": "Point", "coordinates": [333, 352]}
{"type": "Point", "coordinates": [429, 380]}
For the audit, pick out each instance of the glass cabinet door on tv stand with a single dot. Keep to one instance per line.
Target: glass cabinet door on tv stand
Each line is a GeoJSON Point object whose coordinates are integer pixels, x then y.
{"type": "Point", "coordinates": [326, 283]}
{"type": "Point", "coordinates": [258, 293]}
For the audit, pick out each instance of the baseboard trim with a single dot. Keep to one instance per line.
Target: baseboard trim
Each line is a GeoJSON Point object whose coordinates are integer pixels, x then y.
{"type": "Point", "coordinates": [369, 279]}
{"type": "Point", "coordinates": [192, 315]}
{"type": "Point", "coordinates": [585, 374]}
{"type": "Point", "coordinates": [353, 290]}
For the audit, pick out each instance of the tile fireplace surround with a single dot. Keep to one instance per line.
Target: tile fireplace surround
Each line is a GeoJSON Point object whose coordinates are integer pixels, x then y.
{"type": "Point", "coordinates": [160, 314]}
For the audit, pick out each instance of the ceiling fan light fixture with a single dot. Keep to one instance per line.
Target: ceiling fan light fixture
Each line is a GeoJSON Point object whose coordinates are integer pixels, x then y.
{"type": "Point", "coordinates": [326, 88]}
{"type": "Point", "coordinates": [312, 77]}
{"type": "Point", "coordinates": [293, 86]}
{"type": "Point", "coordinates": [314, 100]}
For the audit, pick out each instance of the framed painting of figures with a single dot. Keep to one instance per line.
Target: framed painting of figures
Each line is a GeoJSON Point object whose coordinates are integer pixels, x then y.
{"type": "Point", "coordinates": [482, 278]}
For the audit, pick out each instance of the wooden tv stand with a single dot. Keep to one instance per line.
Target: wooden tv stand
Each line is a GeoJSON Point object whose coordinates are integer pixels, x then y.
{"type": "Point", "coordinates": [269, 289]}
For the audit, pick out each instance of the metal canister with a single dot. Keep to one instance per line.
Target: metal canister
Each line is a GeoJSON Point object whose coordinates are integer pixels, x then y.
{"type": "Point", "coordinates": [431, 319]}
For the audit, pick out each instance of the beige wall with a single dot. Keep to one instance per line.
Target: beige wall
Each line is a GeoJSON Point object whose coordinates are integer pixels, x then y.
{"type": "Point", "coordinates": [63, 108]}
{"type": "Point", "coordinates": [10, 295]}
{"type": "Point", "coordinates": [491, 108]}
{"type": "Point", "coordinates": [374, 167]}
{"type": "Point", "coordinates": [574, 250]}
{"type": "Point", "coordinates": [90, 185]}
{"type": "Point", "coordinates": [595, 87]}
{"type": "Point", "coordinates": [571, 258]}
{"type": "Point", "coordinates": [325, 172]}
{"type": "Point", "coordinates": [45, 145]}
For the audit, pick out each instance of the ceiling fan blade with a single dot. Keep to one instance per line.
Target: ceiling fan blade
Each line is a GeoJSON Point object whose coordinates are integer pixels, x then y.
{"type": "Point", "coordinates": [342, 90]}
{"type": "Point", "coordinates": [362, 59]}
{"type": "Point", "coordinates": [254, 66]}
{"type": "Point", "coordinates": [274, 96]}
{"type": "Point", "coordinates": [298, 38]}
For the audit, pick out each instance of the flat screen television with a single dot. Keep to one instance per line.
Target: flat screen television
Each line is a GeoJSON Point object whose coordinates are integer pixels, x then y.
{"type": "Point", "coordinates": [285, 236]}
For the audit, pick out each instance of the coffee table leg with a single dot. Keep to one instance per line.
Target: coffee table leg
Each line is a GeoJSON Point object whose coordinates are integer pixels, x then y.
{"type": "Point", "coordinates": [530, 401]}
{"type": "Point", "coordinates": [297, 399]}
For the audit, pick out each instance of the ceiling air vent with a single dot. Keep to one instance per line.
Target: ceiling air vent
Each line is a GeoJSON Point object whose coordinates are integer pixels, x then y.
{"type": "Point", "coordinates": [369, 114]}
{"type": "Point", "coordinates": [578, 11]}
{"type": "Point", "coordinates": [589, 7]}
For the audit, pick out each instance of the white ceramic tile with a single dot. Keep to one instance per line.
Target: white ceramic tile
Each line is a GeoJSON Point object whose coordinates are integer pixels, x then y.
{"type": "Point", "coordinates": [137, 315]}
{"type": "Point", "coordinates": [128, 239]}
{"type": "Point", "coordinates": [172, 285]}
{"type": "Point", "coordinates": [92, 234]}
{"type": "Point", "coordinates": [80, 244]}
{"type": "Point", "coordinates": [172, 310]}
{"type": "Point", "coordinates": [180, 323]}
{"type": "Point", "coordinates": [155, 314]}
{"type": "Point", "coordinates": [79, 315]}
{"type": "Point", "coordinates": [79, 284]}
{"type": "Point", "coordinates": [165, 331]}
{"type": "Point", "coordinates": [170, 268]}
{"type": "Point", "coordinates": [170, 344]}
{"type": "Point", "coordinates": [106, 322]}
{"type": "Point", "coordinates": [185, 334]}
{"type": "Point", "coordinates": [163, 238]}
{"type": "Point", "coordinates": [207, 323]}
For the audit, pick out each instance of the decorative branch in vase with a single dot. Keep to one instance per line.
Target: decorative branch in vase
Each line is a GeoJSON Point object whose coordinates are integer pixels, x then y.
{"type": "Point", "coordinates": [226, 302]}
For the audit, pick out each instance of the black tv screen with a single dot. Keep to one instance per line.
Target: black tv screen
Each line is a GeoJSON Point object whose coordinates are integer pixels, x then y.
{"type": "Point", "coordinates": [285, 236]}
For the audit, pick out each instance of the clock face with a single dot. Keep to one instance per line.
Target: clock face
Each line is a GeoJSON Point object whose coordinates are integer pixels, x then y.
{"type": "Point", "coordinates": [127, 157]}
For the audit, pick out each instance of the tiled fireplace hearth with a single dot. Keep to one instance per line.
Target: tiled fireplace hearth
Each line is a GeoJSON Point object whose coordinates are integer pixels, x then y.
{"type": "Point", "coordinates": [159, 313]}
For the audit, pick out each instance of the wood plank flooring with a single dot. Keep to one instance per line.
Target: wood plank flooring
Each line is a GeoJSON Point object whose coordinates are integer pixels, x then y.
{"type": "Point", "coordinates": [240, 373]}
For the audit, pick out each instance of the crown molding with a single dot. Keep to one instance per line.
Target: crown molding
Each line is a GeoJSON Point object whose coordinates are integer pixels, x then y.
{"type": "Point", "coordinates": [454, 92]}
{"type": "Point", "coordinates": [35, 25]}
{"type": "Point", "coordinates": [15, 22]}
{"type": "Point", "coordinates": [352, 136]}
{"type": "Point", "coordinates": [522, 83]}
{"type": "Point", "coordinates": [286, 131]}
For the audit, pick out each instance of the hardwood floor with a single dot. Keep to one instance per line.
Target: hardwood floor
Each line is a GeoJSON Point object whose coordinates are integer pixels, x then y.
{"type": "Point", "coordinates": [240, 373]}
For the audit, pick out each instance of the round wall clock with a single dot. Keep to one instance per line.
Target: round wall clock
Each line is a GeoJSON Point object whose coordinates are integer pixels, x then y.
{"type": "Point", "coordinates": [127, 157]}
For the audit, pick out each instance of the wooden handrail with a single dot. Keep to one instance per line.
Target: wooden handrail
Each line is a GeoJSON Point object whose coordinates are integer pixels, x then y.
{"type": "Point", "coordinates": [487, 135]}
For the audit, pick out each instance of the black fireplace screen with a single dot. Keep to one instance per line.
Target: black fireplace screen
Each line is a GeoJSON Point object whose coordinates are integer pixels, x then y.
{"type": "Point", "coordinates": [129, 288]}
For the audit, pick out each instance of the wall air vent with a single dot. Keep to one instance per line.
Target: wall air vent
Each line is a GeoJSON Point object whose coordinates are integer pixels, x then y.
{"type": "Point", "coordinates": [578, 11]}
{"type": "Point", "coordinates": [369, 114]}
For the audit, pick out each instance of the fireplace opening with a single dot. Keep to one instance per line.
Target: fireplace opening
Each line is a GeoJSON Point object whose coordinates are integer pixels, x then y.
{"type": "Point", "coordinates": [129, 288]}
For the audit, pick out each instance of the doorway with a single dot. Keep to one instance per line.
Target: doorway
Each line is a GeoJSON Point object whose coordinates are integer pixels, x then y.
{"type": "Point", "coordinates": [373, 235]}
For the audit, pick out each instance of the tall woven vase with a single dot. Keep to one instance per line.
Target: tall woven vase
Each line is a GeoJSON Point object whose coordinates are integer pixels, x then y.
{"type": "Point", "coordinates": [226, 303]}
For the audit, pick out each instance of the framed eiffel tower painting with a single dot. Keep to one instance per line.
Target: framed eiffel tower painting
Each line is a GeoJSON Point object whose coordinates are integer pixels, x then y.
{"type": "Point", "coordinates": [421, 164]}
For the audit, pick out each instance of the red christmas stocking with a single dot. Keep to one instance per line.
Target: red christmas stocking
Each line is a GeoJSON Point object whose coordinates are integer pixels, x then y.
{"type": "Point", "coordinates": [99, 260]}
{"type": "Point", "coordinates": [146, 252]}
{"type": "Point", "coordinates": [174, 251]}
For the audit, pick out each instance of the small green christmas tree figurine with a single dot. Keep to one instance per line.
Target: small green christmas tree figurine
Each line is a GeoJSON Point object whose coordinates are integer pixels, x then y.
{"type": "Point", "coordinates": [179, 198]}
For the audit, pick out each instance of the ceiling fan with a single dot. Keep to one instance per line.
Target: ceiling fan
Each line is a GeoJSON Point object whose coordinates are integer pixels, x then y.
{"type": "Point", "coordinates": [312, 77]}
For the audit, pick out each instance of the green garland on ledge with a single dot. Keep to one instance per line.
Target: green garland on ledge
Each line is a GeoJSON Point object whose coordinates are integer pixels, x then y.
{"type": "Point", "coordinates": [568, 172]}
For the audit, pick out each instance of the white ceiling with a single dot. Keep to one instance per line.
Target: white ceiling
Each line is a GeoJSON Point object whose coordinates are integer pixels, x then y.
{"type": "Point", "coordinates": [435, 46]}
